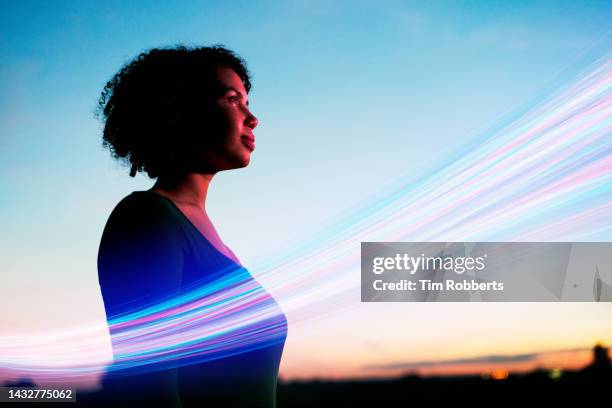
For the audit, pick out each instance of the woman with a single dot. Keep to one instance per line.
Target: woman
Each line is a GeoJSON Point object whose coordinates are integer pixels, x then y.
{"type": "Point", "coordinates": [181, 115]}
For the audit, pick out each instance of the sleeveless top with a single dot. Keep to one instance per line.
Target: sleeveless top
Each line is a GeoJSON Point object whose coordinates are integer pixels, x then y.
{"type": "Point", "coordinates": [150, 251]}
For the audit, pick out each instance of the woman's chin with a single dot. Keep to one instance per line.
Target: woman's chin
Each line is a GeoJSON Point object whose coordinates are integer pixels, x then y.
{"type": "Point", "coordinates": [246, 161]}
{"type": "Point", "coordinates": [239, 162]}
{"type": "Point", "coordinates": [245, 158]}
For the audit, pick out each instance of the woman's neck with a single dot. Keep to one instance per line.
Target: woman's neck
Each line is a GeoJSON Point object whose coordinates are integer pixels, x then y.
{"type": "Point", "coordinates": [189, 189]}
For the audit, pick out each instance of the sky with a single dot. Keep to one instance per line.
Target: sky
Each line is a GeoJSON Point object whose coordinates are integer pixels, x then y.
{"type": "Point", "coordinates": [349, 95]}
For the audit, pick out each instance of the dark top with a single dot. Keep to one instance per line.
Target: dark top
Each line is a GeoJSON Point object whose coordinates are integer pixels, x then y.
{"type": "Point", "coordinates": [150, 249]}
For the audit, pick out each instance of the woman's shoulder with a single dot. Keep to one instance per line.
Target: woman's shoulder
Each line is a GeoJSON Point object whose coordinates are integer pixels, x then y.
{"type": "Point", "coordinates": [144, 211]}
{"type": "Point", "coordinates": [142, 205]}
{"type": "Point", "coordinates": [142, 202]}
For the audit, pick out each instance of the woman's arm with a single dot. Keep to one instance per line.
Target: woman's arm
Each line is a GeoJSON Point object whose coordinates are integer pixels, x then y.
{"type": "Point", "coordinates": [141, 255]}
{"type": "Point", "coordinates": [140, 260]}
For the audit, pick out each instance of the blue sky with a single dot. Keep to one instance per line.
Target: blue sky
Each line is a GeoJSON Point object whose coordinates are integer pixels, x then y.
{"type": "Point", "coordinates": [349, 94]}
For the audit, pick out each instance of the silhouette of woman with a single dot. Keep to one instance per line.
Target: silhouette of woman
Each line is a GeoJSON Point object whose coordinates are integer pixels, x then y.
{"type": "Point", "coordinates": [181, 115]}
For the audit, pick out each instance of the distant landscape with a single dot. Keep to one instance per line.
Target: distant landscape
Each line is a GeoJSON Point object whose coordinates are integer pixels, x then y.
{"type": "Point", "coordinates": [591, 384]}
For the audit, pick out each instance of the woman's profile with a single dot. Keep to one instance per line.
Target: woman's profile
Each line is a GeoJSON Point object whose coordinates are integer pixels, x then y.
{"type": "Point", "coordinates": [179, 115]}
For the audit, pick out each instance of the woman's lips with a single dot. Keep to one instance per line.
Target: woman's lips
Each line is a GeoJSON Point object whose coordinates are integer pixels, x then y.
{"type": "Point", "coordinates": [248, 141]}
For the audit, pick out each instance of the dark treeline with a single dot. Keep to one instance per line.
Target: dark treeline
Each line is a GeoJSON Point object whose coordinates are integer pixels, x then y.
{"type": "Point", "coordinates": [590, 385]}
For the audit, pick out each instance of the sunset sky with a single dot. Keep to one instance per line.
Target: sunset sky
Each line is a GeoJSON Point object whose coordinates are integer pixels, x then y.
{"type": "Point", "coordinates": [349, 96]}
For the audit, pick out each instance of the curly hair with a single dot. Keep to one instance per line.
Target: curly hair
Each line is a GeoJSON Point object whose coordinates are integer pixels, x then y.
{"type": "Point", "coordinates": [150, 105]}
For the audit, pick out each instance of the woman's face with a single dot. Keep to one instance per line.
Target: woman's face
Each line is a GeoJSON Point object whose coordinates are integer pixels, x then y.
{"type": "Point", "coordinates": [228, 139]}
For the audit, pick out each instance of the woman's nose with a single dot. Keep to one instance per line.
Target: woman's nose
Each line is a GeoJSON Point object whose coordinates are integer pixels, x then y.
{"type": "Point", "coordinates": [251, 121]}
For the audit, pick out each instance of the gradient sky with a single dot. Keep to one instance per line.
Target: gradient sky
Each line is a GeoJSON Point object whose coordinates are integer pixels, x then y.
{"type": "Point", "coordinates": [349, 95]}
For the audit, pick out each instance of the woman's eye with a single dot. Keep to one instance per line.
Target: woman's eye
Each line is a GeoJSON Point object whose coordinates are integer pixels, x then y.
{"type": "Point", "coordinates": [234, 98]}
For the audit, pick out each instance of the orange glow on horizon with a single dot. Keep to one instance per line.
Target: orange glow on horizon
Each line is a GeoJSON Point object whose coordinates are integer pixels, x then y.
{"type": "Point", "coordinates": [572, 360]}
{"type": "Point", "coordinates": [499, 374]}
